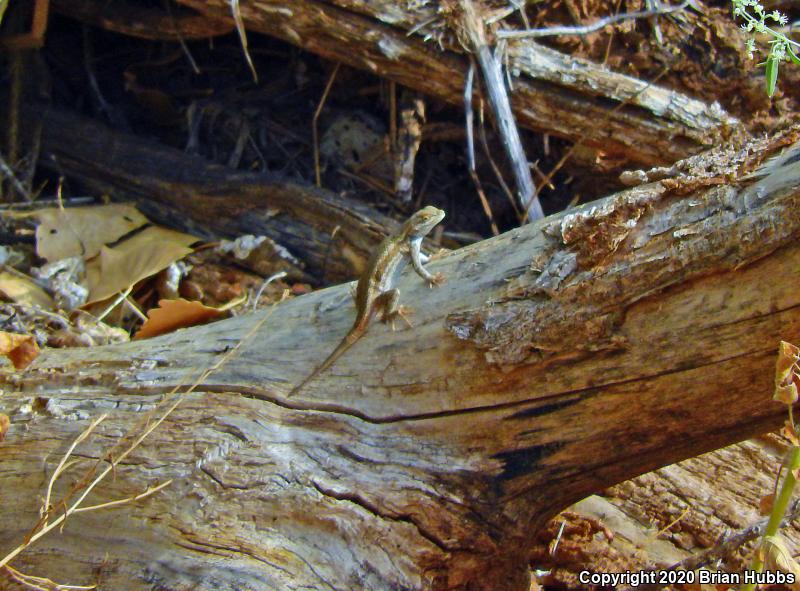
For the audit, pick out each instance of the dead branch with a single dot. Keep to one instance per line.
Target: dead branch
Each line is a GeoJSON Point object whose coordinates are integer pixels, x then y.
{"type": "Point", "coordinates": [144, 22]}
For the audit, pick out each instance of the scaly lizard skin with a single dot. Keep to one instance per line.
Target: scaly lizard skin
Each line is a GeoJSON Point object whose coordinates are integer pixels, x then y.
{"type": "Point", "coordinates": [376, 291]}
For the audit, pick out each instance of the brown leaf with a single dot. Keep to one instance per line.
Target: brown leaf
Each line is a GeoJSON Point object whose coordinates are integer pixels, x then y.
{"type": "Point", "coordinates": [785, 394]}
{"type": "Point", "coordinates": [785, 374]}
{"type": "Point", "coordinates": [779, 557]}
{"type": "Point", "coordinates": [765, 504]}
{"type": "Point", "coordinates": [20, 349]}
{"type": "Point", "coordinates": [21, 289]}
{"type": "Point", "coordinates": [174, 314]}
{"type": "Point", "coordinates": [5, 423]}
{"type": "Point", "coordinates": [145, 254]}
{"type": "Point", "coordinates": [788, 354]}
{"type": "Point", "coordinates": [789, 432]}
{"type": "Point", "coordinates": [82, 231]}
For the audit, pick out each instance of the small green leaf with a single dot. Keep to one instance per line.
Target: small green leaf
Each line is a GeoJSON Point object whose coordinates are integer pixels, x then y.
{"type": "Point", "coordinates": [771, 73]}
{"type": "Point", "coordinates": [793, 55]}
{"type": "Point", "coordinates": [3, 6]}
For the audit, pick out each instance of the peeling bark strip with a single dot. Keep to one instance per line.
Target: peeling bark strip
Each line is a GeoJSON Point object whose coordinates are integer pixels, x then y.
{"type": "Point", "coordinates": [580, 276]}
{"type": "Point", "coordinates": [422, 460]}
{"type": "Point", "coordinates": [553, 92]}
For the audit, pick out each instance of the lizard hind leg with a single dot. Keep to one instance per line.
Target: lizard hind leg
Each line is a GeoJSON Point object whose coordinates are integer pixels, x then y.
{"type": "Point", "coordinates": [390, 310]}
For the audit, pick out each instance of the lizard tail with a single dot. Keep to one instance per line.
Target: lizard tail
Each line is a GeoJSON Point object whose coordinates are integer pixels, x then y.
{"type": "Point", "coordinates": [346, 343]}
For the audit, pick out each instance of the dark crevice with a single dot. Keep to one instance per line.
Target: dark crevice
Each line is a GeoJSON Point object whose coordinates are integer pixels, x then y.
{"type": "Point", "coordinates": [206, 547]}
{"type": "Point", "coordinates": [282, 402]}
{"type": "Point", "coordinates": [337, 409]}
{"type": "Point", "coordinates": [222, 484]}
{"type": "Point", "coordinates": [367, 506]}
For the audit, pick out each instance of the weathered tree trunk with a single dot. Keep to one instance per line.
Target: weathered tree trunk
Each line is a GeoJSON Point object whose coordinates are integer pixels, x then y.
{"type": "Point", "coordinates": [558, 359]}
{"type": "Point", "coordinates": [620, 116]}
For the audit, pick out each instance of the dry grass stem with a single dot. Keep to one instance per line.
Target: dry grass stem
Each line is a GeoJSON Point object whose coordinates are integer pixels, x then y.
{"type": "Point", "coordinates": [237, 18]}
{"type": "Point", "coordinates": [62, 465]}
{"type": "Point", "coordinates": [123, 295]}
{"type": "Point", "coordinates": [315, 119]}
{"type": "Point", "coordinates": [586, 29]}
{"type": "Point", "coordinates": [175, 397]}
{"type": "Point", "coordinates": [43, 584]}
{"type": "Point", "coordinates": [149, 491]}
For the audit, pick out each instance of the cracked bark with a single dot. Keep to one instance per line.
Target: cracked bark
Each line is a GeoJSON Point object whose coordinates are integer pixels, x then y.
{"type": "Point", "coordinates": [559, 358]}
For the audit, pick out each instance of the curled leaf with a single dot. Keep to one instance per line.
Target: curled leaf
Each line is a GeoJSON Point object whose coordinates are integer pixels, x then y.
{"type": "Point", "coordinates": [786, 394]}
{"type": "Point", "coordinates": [174, 314]}
{"type": "Point", "coordinates": [20, 349]}
{"type": "Point", "coordinates": [786, 373]}
{"type": "Point", "coordinates": [778, 557]}
{"type": "Point", "coordinates": [119, 267]}
{"type": "Point", "coordinates": [789, 432]}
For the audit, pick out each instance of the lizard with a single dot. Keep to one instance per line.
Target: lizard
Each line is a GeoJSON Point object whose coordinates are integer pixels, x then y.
{"type": "Point", "coordinates": [375, 291]}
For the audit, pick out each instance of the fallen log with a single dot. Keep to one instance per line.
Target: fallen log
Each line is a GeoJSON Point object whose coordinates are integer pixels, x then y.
{"type": "Point", "coordinates": [553, 92]}
{"type": "Point", "coordinates": [560, 358]}
{"type": "Point", "coordinates": [333, 234]}
{"type": "Point", "coordinates": [143, 21]}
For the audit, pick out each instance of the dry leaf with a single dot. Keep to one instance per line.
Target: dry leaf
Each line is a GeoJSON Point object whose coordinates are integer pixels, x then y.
{"type": "Point", "coordinates": [145, 254]}
{"type": "Point", "coordinates": [789, 432]}
{"type": "Point", "coordinates": [22, 289]}
{"type": "Point", "coordinates": [785, 374]}
{"type": "Point", "coordinates": [778, 557]}
{"type": "Point", "coordinates": [765, 504]}
{"type": "Point", "coordinates": [788, 354]}
{"type": "Point", "coordinates": [174, 314]}
{"type": "Point", "coordinates": [21, 349]}
{"type": "Point", "coordinates": [785, 394]}
{"type": "Point", "coordinates": [82, 231]}
{"type": "Point", "coordinates": [5, 423]}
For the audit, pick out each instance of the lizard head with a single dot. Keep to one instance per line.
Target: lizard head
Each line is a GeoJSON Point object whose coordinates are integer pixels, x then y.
{"type": "Point", "coordinates": [422, 222]}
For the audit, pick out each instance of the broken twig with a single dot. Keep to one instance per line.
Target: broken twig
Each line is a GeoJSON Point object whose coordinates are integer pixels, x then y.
{"type": "Point", "coordinates": [585, 29]}
{"type": "Point", "coordinates": [472, 34]}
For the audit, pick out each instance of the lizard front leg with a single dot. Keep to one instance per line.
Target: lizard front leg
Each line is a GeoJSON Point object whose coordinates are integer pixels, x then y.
{"type": "Point", "coordinates": [417, 260]}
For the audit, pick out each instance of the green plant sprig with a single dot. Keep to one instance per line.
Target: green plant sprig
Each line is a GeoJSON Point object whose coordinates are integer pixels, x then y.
{"type": "Point", "coordinates": [781, 47]}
